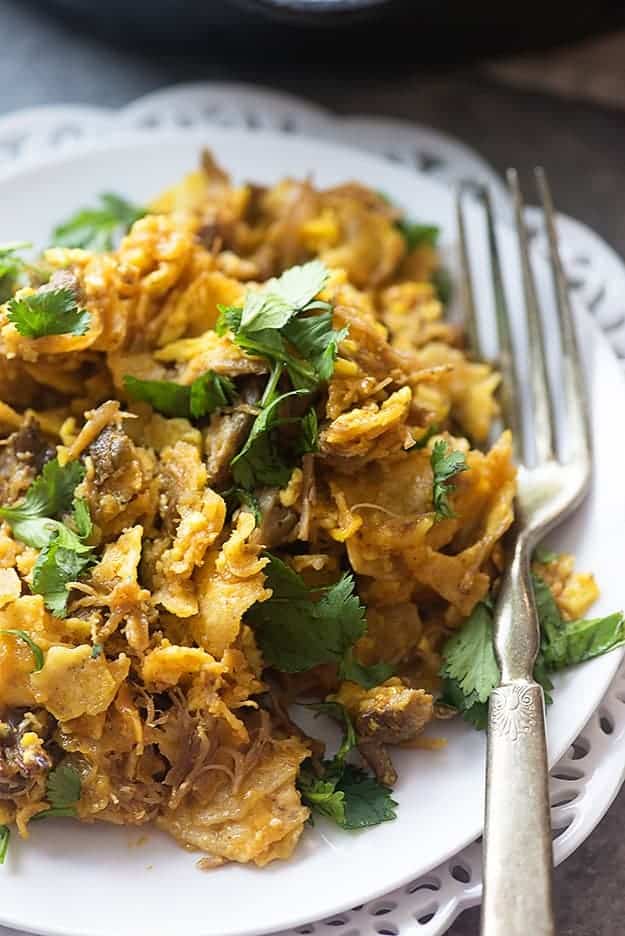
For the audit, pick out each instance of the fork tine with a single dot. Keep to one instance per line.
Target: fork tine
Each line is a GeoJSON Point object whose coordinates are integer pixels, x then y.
{"type": "Point", "coordinates": [574, 384]}
{"type": "Point", "coordinates": [466, 284]}
{"type": "Point", "coordinates": [544, 413]}
{"type": "Point", "coordinates": [510, 395]}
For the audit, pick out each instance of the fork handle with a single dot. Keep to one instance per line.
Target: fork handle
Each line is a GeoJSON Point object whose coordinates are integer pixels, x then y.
{"type": "Point", "coordinates": [518, 857]}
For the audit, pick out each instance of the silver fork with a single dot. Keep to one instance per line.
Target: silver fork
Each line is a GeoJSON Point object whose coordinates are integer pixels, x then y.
{"type": "Point", "coordinates": [517, 844]}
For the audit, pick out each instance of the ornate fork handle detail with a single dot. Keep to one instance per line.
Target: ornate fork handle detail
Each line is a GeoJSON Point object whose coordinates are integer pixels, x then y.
{"type": "Point", "coordinates": [513, 710]}
{"type": "Point", "coordinates": [517, 898]}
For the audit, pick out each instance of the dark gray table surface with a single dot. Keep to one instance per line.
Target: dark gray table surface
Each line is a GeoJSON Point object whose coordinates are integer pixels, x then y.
{"type": "Point", "coordinates": [582, 147]}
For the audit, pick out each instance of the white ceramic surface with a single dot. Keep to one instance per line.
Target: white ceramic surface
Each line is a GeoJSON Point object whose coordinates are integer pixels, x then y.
{"type": "Point", "coordinates": [154, 887]}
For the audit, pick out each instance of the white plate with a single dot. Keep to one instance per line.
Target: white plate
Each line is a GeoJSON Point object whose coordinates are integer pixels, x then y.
{"type": "Point", "coordinates": [79, 880]}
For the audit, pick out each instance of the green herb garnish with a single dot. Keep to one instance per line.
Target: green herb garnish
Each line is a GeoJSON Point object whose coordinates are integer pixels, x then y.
{"type": "Point", "coordinates": [345, 794]}
{"type": "Point", "coordinates": [50, 495]}
{"type": "Point", "coordinates": [445, 465]}
{"type": "Point", "coordinates": [274, 324]}
{"type": "Point", "coordinates": [202, 397]}
{"type": "Point", "coordinates": [97, 228]}
{"type": "Point", "coordinates": [11, 266]}
{"type": "Point", "coordinates": [260, 461]}
{"type": "Point", "coordinates": [64, 555]}
{"type": "Point", "coordinates": [63, 790]}
{"type": "Point", "coordinates": [470, 671]}
{"type": "Point", "coordinates": [566, 642]}
{"type": "Point", "coordinates": [299, 628]}
{"type": "Point", "coordinates": [53, 312]}
{"type": "Point", "coordinates": [5, 837]}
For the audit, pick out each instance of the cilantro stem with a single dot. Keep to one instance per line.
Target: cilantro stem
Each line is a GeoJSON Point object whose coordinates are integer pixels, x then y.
{"type": "Point", "coordinates": [270, 390]}
{"type": "Point", "coordinates": [37, 652]}
{"type": "Point", "coordinates": [5, 835]}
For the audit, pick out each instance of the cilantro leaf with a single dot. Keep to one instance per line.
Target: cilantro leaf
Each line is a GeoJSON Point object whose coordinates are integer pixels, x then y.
{"type": "Point", "coordinates": [566, 642]}
{"type": "Point", "coordinates": [296, 633]}
{"type": "Point", "coordinates": [339, 791]}
{"type": "Point", "coordinates": [259, 461]}
{"type": "Point", "coordinates": [11, 265]}
{"type": "Point", "coordinates": [316, 341]}
{"type": "Point", "coordinates": [50, 495]}
{"type": "Point", "coordinates": [470, 671]}
{"type": "Point", "coordinates": [269, 325]}
{"type": "Point", "coordinates": [300, 284]}
{"type": "Point", "coordinates": [473, 711]}
{"type": "Point", "coordinates": [366, 802]}
{"type": "Point", "coordinates": [308, 441]}
{"type": "Point", "coordinates": [354, 800]}
{"type": "Point", "coordinates": [209, 393]}
{"type": "Point", "coordinates": [96, 651]}
{"type": "Point", "coordinates": [164, 396]}
{"type": "Point", "coordinates": [322, 796]}
{"type": "Point", "coordinates": [82, 517]}
{"type": "Point", "coordinates": [36, 650]}
{"type": "Point", "coordinates": [367, 676]}
{"type": "Point", "coordinates": [63, 787]}
{"type": "Point", "coordinates": [57, 566]}
{"type": "Point", "coordinates": [416, 235]}
{"type": "Point", "coordinates": [270, 344]}
{"type": "Point", "coordinates": [96, 228]}
{"type": "Point", "coordinates": [469, 656]}
{"type": "Point", "coordinates": [63, 554]}
{"type": "Point", "coordinates": [445, 464]}
{"type": "Point", "coordinates": [280, 299]}
{"type": "Point", "coordinates": [202, 397]}
{"type": "Point", "coordinates": [263, 310]}
{"type": "Point", "coordinates": [63, 791]}
{"type": "Point", "coordinates": [5, 837]}
{"type": "Point", "coordinates": [229, 319]}
{"type": "Point", "coordinates": [53, 312]}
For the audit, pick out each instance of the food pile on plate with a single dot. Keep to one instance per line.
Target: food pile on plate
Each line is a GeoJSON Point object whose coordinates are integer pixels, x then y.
{"type": "Point", "coordinates": [244, 463]}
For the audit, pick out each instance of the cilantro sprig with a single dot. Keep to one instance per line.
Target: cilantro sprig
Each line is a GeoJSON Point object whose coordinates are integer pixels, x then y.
{"type": "Point", "coordinates": [299, 628]}
{"type": "Point", "coordinates": [265, 458]}
{"type": "Point", "coordinates": [260, 460]}
{"type": "Point", "coordinates": [63, 791]}
{"type": "Point", "coordinates": [5, 837]}
{"type": "Point", "coordinates": [470, 671]}
{"type": "Point", "coordinates": [50, 495]}
{"type": "Point", "coordinates": [564, 643]}
{"type": "Point", "coordinates": [341, 792]}
{"type": "Point", "coordinates": [64, 555]}
{"type": "Point", "coordinates": [96, 228]}
{"type": "Point", "coordinates": [50, 312]}
{"type": "Point", "coordinates": [200, 398]}
{"type": "Point", "coordinates": [275, 323]}
{"type": "Point", "coordinates": [11, 266]}
{"type": "Point", "coordinates": [445, 465]}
